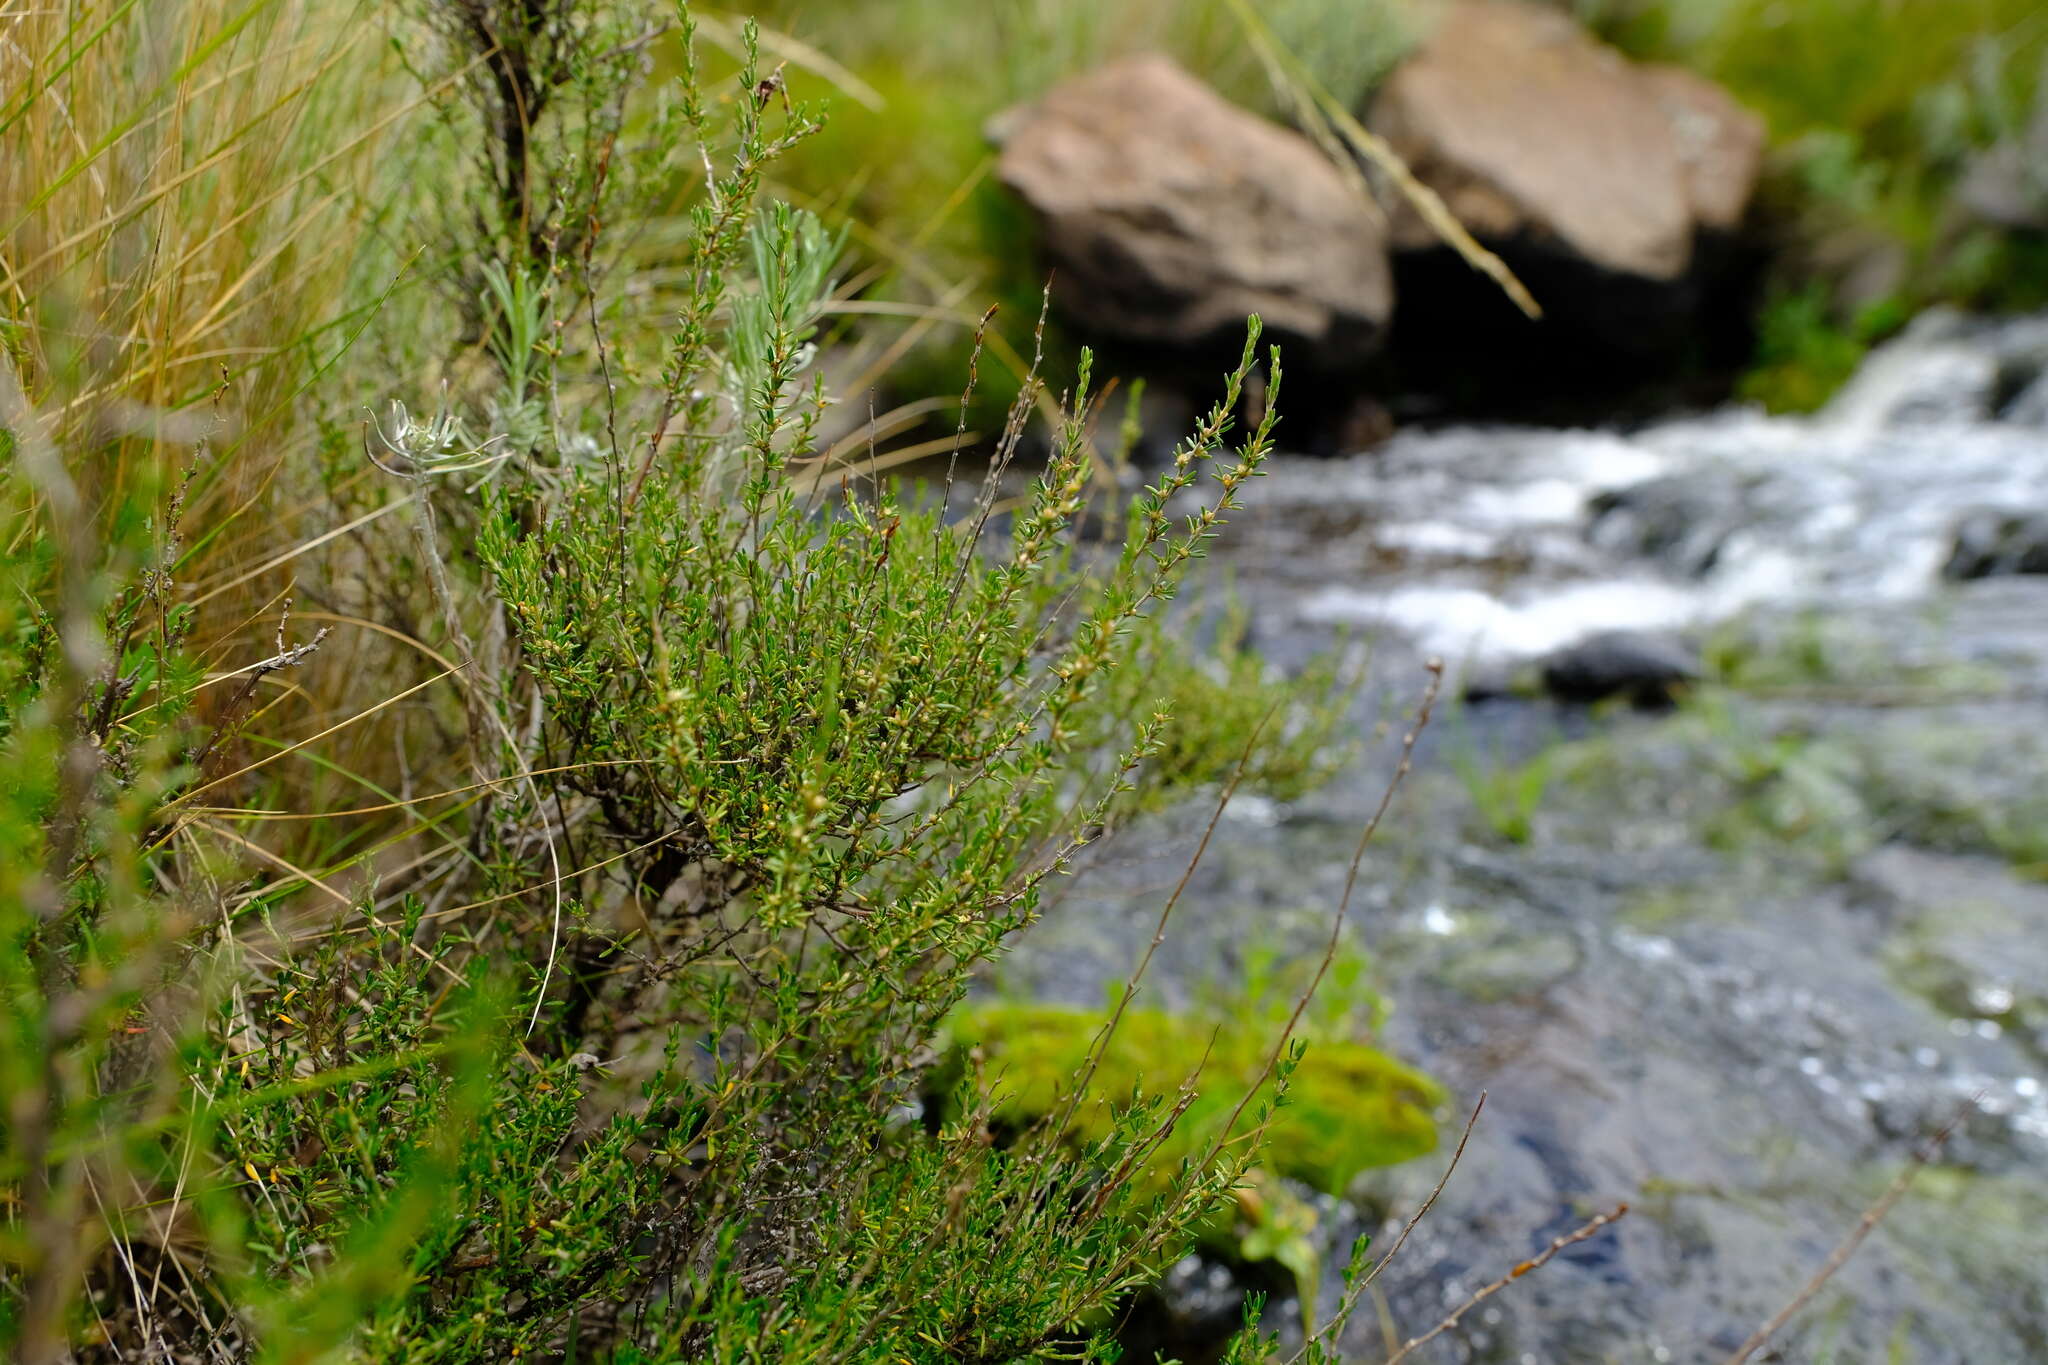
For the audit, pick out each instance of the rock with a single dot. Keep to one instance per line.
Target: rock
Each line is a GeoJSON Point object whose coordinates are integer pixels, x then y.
{"type": "Point", "coordinates": [1364, 423]}
{"type": "Point", "coordinates": [1720, 144]}
{"type": "Point", "coordinates": [1681, 520]}
{"type": "Point", "coordinates": [2029, 408]}
{"type": "Point", "coordinates": [1529, 128]}
{"type": "Point", "coordinates": [1168, 214]}
{"type": "Point", "coordinates": [1646, 667]}
{"type": "Point", "coordinates": [1948, 368]}
{"type": "Point", "coordinates": [1996, 543]}
{"type": "Point", "coordinates": [1614, 191]}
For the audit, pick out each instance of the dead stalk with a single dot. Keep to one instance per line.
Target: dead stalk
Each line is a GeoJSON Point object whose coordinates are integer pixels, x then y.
{"type": "Point", "coordinates": [1364, 1282]}
{"type": "Point", "coordinates": [1487, 1291]}
{"type": "Point", "coordinates": [1839, 1257]}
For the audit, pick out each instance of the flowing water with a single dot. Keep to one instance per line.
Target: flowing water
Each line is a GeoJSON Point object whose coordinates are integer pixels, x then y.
{"type": "Point", "coordinates": [1727, 963]}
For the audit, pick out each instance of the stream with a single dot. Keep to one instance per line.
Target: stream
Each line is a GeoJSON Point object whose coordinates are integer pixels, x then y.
{"type": "Point", "coordinates": [1729, 962]}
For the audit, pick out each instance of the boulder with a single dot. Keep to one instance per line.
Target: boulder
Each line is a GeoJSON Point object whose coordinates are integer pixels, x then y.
{"type": "Point", "coordinates": [1720, 145]}
{"type": "Point", "coordinates": [1528, 127]}
{"type": "Point", "coordinates": [2029, 407]}
{"type": "Point", "coordinates": [1168, 214]}
{"type": "Point", "coordinates": [1647, 667]}
{"type": "Point", "coordinates": [1680, 520]}
{"type": "Point", "coordinates": [1996, 542]}
{"type": "Point", "coordinates": [1614, 190]}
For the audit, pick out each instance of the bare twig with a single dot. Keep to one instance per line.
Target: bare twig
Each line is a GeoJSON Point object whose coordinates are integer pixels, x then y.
{"type": "Point", "coordinates": [1137, 977]}
{"type": "Point", "coordinates": [1536, 1262]}
{"type": "Point", "coordinates": [1350, 1299]}
{"type": "Point", "coordinates": [1338, 920]}
{"type": "Point", "coordinates": [288, 655]}
{"type": "Point", "coordinates": [1228, 1132]}
{"type": "Point", "coordinates": [1838, 1258]}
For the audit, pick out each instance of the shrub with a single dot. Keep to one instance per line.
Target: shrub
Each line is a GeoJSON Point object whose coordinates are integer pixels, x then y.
{"type": "Point", "coordinates": [592, 1026]}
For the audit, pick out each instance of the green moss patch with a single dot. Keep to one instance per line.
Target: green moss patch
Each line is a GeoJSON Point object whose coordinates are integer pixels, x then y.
{"type": "Point", "coordinates": [1349, 1107]}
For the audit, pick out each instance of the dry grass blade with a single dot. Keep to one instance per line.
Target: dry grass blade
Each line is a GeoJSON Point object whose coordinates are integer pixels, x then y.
{"type": "Point", "coordinates": [814, 478]}
{"type": "Point", "coordinates": [268, 759]}
{"type": "Point", "coordinates": [721, 30]}
{"type": "Point", "coordinates": [406, 803]}
{"type": "Point", "coordinates": [1865, 1225]}
{"type": "Point", "coordinates": [1487, 1291]}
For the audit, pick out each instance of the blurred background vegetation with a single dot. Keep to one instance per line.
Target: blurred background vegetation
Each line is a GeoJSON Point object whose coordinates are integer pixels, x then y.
{"type": "Point", "coordinates": [1877, 110]}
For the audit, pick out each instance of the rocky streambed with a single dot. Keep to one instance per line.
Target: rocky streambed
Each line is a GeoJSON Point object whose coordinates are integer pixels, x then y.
{"type": "Point", "coordinates": [1728, 962]}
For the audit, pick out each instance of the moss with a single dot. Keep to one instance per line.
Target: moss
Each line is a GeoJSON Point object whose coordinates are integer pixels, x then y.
{"type": "Point", "coordinates": [1349, 1107]}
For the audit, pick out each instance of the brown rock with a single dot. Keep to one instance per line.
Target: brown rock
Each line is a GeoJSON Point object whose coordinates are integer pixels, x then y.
{"type": "Point", "coordinates": [1168, 214]}
{"type": "Point", "coordinates": [1720, 144]}
{"type": "Point", "coordinates": [1527, 126]}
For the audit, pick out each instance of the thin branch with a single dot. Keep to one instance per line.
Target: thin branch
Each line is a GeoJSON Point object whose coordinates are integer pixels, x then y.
{"type": "Point", "coordinates": [1872, 1216]}
{"type": "Point", "coordinates": [1350, 1299]}
{"type": "Point", "coordinates": [1137, 977]}
{"type": "Point", "coordinates": [1536, 1262]}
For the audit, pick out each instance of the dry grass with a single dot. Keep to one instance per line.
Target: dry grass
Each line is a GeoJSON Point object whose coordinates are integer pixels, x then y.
{"type": "Point", "coordinates": [167, 256]}
{"type": "Point", "coordinates": [189, 191]}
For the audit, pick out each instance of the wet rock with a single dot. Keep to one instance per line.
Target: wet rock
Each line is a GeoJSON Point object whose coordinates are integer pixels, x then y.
{"type": "Point", "coordinates": [1975, 939]}
{"type": "Point", "coordinates": [1681, 520]}
{"type": "Point", "coordinates": [1169, 214]}
{"type": "Point", "coordinates": [1647, 667]}
{"type": "Point", "coordinates": [1992, 543]}
{"type": "Point", "coordinates": [1935, 372]}
{"type": "Point", "coordinates": [1947, 368]}
{"type": "Point", "coordinates": [1512, 967]}
{"type": "Point", "coordinates": [2029, 407]}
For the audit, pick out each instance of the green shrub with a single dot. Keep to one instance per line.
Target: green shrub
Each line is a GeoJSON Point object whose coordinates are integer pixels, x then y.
{"type": "Point", "coordinates": [587, 1024]}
